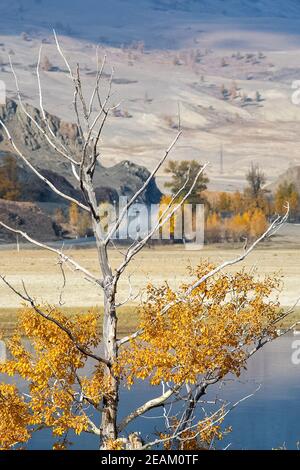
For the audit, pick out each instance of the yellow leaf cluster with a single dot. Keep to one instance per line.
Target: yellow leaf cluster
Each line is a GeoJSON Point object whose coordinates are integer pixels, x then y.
{"type": "Point", "coordinates": [116, 444]}
{"type": "Point", "coordinates": [208, 331]}
{"type": "Point", "coordinates": [50, 363]}
{"type": "Point", "coordinates": [14, 417]}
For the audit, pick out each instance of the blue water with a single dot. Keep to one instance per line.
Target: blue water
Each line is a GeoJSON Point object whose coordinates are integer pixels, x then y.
{"type": "Point", "coordinates": [269, 419]}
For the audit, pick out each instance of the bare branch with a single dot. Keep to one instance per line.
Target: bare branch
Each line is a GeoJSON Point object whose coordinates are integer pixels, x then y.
{"type": "Point", "coordinates": [62, 256]}
{"type": "Point", "coordinates": [98, 78]}
{"type": "Point", "coordinates": [63, 56]}
{"type": "Point", "coordinates": [34, 121]}
{"type": "Point", "coordinates": [166, 215]}
{"type": "Point", "coordinates": [273, 228]}
{"type": "Point", "coordinates": [37, 173]}
{"type": "Point", "coordinates": [141, 190]}
{"type": "Point", "coordinates": [149, 405]}
{"type": "Point", "coordinates": [30, 300]}
{"type": "Point", "coordinates": [220, 418]}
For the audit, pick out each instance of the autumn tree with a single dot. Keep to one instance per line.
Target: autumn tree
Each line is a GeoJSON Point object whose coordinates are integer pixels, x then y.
{"type": "Point", "coordinates": [249, 224]}
{"type": "Point", "coordinates": [79, 220]}
{"type": "Point", "coordinates": [73, 214]}
{"type": "Point", "coordinates": [59, 216]}
{"type": "Point", "coordinates": [238, 226]}
{"type": "Point", "coordinates": [255, 191]}
{"type": "Point", "coordinates": [84, 227]}
{"type": "Point", "coordinates": [213, 228]}
{"type": "Point", "coordinates": [286, 192]}
{"type": "Point", "coordinates": [10, 187]}
{"type": "Point", "coordinates": [188, 339]}
{"type": "Point", "coordinates": [46, 65]}
{"type": "Point", "coordinates": [238, 202]}
{"type": "Point", "coordinates": [183, 176]}
{"type": "Point", "coordinates": [224, 202]}
{"type": "Point", "coordinates": [167, 205]}
{"type": "Point", "coordinates": [258, 223]}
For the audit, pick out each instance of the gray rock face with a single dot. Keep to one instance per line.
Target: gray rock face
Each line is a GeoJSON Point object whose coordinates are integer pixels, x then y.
{"type": "Point", "coordinates": [123, 179]}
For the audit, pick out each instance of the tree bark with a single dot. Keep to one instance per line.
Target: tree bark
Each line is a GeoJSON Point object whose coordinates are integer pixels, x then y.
{"type": "Point", "coordinates": [110, 403]}
{"type": "Point", "coordinates": [108, 427]}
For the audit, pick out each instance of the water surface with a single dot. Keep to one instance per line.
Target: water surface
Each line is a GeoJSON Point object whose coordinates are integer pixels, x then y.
{"type": "Point", "coordinates": [269, 419]}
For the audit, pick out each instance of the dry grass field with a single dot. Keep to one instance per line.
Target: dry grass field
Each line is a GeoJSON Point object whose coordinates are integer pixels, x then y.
{"type": "Point", "coordinates": [41, 274]}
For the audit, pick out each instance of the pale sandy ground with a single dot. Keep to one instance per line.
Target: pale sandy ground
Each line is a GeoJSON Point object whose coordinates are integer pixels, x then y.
{"type": "Point", "coordinates": [39, 271]}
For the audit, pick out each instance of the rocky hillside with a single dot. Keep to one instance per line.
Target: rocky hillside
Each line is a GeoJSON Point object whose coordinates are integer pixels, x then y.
{"type": "Point", "coordinates": [292, 175]}
{"type": "Point", "coordinates": [153, 21]}
{"type": "Point", "coordinates": [122, 179]}
{"type": "Point", "coordinates": [27, 217]}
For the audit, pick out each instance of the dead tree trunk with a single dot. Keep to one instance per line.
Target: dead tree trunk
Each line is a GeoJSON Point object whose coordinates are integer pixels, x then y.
{"type": "Point", "coordinates": [110, 403]}
{"type": "Point", "coordinates": [108, 427]}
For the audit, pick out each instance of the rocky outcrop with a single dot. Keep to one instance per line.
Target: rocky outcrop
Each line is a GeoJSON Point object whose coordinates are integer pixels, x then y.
{"type": "Point", "coordinates": [123, 179]}
{"type": "Point", "coordinates": [27, 217]}
{"type": "Point", "coordinates": [26, 133]}
{"type": "Point", "coordinates": [126, 178]}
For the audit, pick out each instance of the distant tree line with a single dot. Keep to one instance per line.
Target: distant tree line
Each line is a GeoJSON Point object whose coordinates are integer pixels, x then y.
{"type": "Point", "coordinates": [234, 216]}
{"type": "Point", "coordinates": [228, 216]}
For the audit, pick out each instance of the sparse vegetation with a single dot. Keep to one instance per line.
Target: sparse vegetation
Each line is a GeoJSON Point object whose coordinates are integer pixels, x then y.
{"type": "Point", "coordinates": [10, 187]}
{"type": "Point", "coordinates": [46, 65]}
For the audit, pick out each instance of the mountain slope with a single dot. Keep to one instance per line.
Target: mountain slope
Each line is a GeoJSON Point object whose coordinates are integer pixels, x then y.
{"type": "Point", "coordinates": [291, 175]}
{"type": "Point", "coordinates": [27, 217]}
{"type": "Point", "coordinates": [153, 21]}
{"type": "Point", "coordinates": [123, 179]}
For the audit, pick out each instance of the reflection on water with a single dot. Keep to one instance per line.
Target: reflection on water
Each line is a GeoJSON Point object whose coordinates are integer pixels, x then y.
{"type": "Point", "coordinates": [269, 419]}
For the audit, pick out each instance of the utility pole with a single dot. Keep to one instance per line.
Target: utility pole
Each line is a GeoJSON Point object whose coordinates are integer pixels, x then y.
{"type": "Point", "coordinates": [221, 160]}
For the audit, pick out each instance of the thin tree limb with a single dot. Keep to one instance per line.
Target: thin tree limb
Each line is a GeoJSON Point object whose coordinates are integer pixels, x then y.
{"type": "Point", "coordinates": [62, 256]}
{"type": "Point", "coordinates": [30, 300]}
{"type": "Point", "coordinates": [273, 228]}
{"type": "Point", "coordinates": [142, 189]}
{"type": "Point", "coordinates": [38, 174]}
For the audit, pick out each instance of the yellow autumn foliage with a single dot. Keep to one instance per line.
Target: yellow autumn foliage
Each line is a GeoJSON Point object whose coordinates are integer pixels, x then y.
{"type": "Point", "coordinates": [14, 417]}
{"type": "Point", "coordinates": [184, 338]}
{"type": "Point", "coordinates": [50, 365]}
{"type": "Point", "coordinates": [209, 331]}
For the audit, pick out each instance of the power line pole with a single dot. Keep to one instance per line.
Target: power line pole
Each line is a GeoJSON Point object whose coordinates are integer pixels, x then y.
{"type": "Point", "coordinates": [221, 160]}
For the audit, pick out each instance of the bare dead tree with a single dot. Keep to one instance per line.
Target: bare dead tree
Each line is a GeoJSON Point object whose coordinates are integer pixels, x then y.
{"type": "Point", "coordinates": [91, 115]}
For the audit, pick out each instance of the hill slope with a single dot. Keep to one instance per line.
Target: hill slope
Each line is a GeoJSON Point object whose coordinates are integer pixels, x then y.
{"type": "Point", "coordinates": [97, 19]}
{"type": "Point", "coordinates": [123, 179]}
{"type": "Point", "coordinates": [291, 175]}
